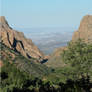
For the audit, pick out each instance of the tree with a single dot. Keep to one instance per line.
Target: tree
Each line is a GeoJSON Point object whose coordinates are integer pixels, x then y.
{"type": "Point", "coordinates": [79, 56]}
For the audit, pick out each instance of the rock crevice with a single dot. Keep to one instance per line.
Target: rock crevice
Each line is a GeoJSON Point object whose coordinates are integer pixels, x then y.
{"type": "Point", "coordinates": [17, 41]}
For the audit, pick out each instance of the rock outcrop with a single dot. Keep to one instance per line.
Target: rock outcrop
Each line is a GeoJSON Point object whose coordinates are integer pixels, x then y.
{"type": "Point", "coordinates": [1, 63]}
{"type": "Point", "coordinates": [85, 30]}
{"type": "Point", "coordinates": [17, 41]}
{"type": "Point", "coordinates": [55, 59]}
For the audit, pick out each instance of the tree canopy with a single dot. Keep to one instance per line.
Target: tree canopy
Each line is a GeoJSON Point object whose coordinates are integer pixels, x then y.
{"type": "Point", "coordinates": [79, 56]}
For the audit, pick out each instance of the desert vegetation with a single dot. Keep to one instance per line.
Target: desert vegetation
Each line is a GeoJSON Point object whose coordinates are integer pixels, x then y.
{"type": "Point", "coordinates": [76, 76]}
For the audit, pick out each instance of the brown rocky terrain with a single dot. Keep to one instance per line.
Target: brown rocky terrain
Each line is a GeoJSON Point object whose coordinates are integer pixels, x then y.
{"type": "Point", "coordinates": [18, 42]}
{"type": "Point", "coordinates": [85, 30]}
{"type": "Point", "coordinates": [55, 59]}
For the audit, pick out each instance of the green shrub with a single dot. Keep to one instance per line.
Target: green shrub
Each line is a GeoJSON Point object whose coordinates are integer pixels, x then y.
{"type": "Point", "coordinates": [79, 56]}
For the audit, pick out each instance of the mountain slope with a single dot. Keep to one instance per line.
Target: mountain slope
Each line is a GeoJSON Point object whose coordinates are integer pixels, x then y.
{"type": "Point", "coordinates": [24, 64]}
{"type": "Point", "coordinates": [17, 41]}
{"type": "Point", "coordinates": [84, 32]}
{"type": "Point", "coordinates": [55, 60]}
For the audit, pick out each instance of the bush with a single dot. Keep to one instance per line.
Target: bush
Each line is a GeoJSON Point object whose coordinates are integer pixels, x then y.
{"type": "Point", "coordinates": [79, 56]}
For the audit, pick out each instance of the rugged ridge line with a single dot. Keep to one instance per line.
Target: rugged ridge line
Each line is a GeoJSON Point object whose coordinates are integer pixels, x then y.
{"type": "Point", "coordinates": [85, 30]}
{"type": "Point", "coordinates": [18, 42]}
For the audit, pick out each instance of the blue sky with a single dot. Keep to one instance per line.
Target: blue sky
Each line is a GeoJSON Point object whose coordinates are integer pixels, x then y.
{"type": "Point", "coordinates": [45, 13]}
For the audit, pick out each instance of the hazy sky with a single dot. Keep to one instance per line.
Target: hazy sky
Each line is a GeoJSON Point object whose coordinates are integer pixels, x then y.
{"type": "Point", "coordinates": [45, 13]}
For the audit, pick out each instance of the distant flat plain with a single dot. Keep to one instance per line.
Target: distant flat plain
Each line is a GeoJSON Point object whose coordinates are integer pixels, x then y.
{"type": "Point", "coordinates": [48, 39]}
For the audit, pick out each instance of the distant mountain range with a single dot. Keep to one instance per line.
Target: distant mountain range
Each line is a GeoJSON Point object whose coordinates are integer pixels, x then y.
{"type": "Point", "coordinates": [21, 52]}
{"type": "Point", "coordinates": [48, 39]}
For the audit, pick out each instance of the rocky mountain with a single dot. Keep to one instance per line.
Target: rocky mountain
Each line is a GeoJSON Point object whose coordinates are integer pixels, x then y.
{"type": "Point", "coordinates": [84, 32]}
{"type": "Point", "coordinates": [10, 57]}
{"type": "Point", "coordinates": [18, 42]}
{"type": "Point", "coordinates": [55, 59]}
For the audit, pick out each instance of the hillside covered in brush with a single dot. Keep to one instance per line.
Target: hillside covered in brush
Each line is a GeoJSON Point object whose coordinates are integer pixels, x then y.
{"type": "Point", "coordinates": [23, 64]}
{"type": "Point", "coordinates": [84, 33]}
{"type": "Point", "coordinates": [24, 67]}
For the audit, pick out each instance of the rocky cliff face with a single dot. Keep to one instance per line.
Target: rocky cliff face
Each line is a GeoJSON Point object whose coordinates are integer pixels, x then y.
{"type": "Point", "coordinates": [85, 30]}
{"type": "Point", "coordinates": [55, 59]}
{"type": "Point", "coordinates": [17, 41]}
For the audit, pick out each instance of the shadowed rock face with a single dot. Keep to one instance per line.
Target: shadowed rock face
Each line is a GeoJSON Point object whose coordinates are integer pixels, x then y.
{"type": "Point", "coordinates": [17, 41]}
{"type": "Point", "coordinates": [85, 30]}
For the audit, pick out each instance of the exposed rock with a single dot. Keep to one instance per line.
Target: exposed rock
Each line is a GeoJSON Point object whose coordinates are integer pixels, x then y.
{"type": "Point", "coordinates": [1, 63]}
{"type": "Point", "coordinates": [10, 57]}
{"type": "Point", "coordinates": [55, 59]}
{"type": "Point", "coordinates": [17, 41]}
{"type": "Point", "coordinates": [85, 30]}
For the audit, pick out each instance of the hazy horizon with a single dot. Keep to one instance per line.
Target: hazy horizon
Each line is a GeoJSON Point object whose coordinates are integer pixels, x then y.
{"type": "Point", "coordinates": [45, 13]}
{"type": "Point", "coordinates": [49, 23]}
{"type": "Point", "coordinates": [48, 39]}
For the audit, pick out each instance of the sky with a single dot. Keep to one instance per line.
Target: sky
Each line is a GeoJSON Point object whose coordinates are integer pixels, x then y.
{"type": "Point", "coordinates": [45, 13]}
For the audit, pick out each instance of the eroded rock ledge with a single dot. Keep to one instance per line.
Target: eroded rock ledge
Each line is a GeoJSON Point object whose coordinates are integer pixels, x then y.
{"type": "Point", "coordinates": [18, 42]}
